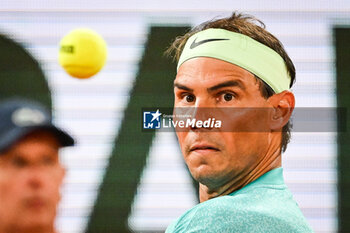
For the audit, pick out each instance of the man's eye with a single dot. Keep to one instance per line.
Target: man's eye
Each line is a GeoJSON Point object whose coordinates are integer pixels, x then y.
{"type": "Point", "coordinates": [228, 97]}
{"type": "Point", "coordinates": [18, 162]}
{"type": "Point", "coordinates": [190, 98]}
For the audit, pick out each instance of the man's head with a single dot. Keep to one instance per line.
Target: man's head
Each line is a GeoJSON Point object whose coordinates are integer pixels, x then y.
{"type": "Point", "coordinates": [229, 77]}
{"type": "Point", "coordinates": [249, 26]}
{"type": "Point", "coordinates": [30, 170]}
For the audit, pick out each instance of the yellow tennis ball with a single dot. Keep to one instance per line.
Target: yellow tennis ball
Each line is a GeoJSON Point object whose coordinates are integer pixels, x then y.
{"type": "Point", "coordinates": [82, 53]}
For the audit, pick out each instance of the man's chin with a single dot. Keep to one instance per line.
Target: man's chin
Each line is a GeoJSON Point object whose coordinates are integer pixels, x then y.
{"type": "Point", "coordinates": [205, 175]}
{"type": "Point", "coordinates": [36, 221]}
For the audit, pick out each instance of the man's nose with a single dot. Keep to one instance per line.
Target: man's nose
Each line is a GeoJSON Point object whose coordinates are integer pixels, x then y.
{"type": "Point", "coordinates": [201, 114]}
{"type": "Point", "coordinates": [36, 177]}
{"type": "Point", "coordinates": [203, 109]}
{"type": "Point", "coordinates": [203, 102]}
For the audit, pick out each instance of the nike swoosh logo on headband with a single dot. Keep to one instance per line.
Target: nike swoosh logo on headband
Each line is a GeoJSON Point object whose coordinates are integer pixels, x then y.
{"type": "Point", "coordinates": [195, 44]}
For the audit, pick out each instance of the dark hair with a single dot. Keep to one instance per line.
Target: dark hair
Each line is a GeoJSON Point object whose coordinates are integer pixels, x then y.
{"type": "Point", "coordinates": [254, 28]}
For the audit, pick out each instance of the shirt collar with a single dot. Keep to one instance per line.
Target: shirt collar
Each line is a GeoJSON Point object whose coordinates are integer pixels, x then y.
{"type": "Point", "coordinates": [272, 179]}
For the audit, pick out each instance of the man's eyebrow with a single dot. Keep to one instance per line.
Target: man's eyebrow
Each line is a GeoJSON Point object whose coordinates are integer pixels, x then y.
{"type": "Point", "coordinates": [231, 83]}
{"type": "Point", "coordinates": [183, 87]}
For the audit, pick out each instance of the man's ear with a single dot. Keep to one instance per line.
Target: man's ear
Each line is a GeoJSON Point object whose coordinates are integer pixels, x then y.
{"type": "Point", "coordinates": [283, 104]}
{"type": "Point", "coordinates": [62, 173]}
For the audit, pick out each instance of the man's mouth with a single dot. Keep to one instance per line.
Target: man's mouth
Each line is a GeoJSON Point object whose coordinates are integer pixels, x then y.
{"type": "Point", "coordinates": [203, 148]}
{"type": "Point", "coordinates": [35, 203]}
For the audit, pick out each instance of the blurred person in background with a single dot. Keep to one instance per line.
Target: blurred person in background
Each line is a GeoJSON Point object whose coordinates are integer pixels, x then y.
{"type": "Point", "coordinates": [30, 171]}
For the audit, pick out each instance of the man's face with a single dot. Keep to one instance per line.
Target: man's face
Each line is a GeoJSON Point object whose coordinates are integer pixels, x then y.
{"type": "Point", "coordinates": [30, 178]}
{"type": "Point", "coordinates": [216, 157]}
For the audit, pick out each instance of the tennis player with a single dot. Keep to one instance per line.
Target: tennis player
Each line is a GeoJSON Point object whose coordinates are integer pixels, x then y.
{"type": "Point", "coordinates": [30, 171]}
{"type": "Point", "coordinates": [234, 62]}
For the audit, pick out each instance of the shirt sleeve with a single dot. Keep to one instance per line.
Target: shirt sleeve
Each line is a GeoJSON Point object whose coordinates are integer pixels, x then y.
{"type": "Point", "coordinates": [221, 218]}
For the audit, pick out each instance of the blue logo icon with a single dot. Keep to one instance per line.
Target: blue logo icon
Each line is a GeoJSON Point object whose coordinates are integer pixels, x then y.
{"type": "Point", "coordinates": [151, 120]}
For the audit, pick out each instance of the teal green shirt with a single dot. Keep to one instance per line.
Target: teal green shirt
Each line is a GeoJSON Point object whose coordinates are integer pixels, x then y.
{"type": "Point", "coordinates": [264, 205]}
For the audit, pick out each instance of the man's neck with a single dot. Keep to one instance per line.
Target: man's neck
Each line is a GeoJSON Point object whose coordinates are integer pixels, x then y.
{"type": "Point", "coordinates": [271, 160]}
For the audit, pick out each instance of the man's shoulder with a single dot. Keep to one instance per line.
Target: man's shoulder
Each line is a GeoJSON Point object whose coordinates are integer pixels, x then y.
{"type": "Point", "coordinates": [242, 213]}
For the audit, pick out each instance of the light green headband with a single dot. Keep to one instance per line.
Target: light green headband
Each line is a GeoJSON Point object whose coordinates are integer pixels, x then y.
{"type": "Point", "coordinates": [242, 51]}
